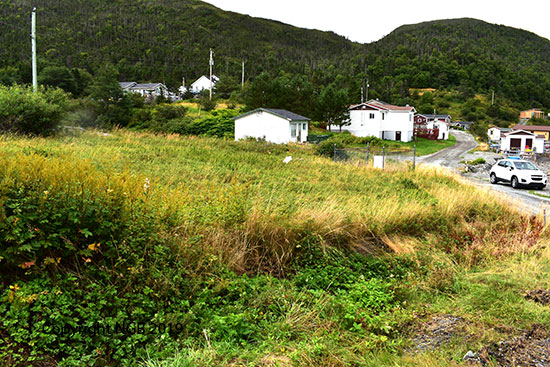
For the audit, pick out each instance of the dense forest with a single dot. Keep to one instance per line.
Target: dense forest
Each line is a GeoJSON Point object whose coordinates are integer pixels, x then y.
{"type": "Point", "coordinates": [162, 40]}
{"type": "Point", "coordinates": [286, 66]}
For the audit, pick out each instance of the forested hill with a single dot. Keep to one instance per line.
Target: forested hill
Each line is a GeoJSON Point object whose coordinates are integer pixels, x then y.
{"type": "Point", "coordinates": [471, 53]}
{"type": "Point", "coordinates": [161, 39]}
{"type": "Point", "coordinates": [165, 40]}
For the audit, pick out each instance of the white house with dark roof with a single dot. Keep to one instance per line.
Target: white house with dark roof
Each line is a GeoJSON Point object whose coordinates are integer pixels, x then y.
{"type": "Point", "coordinates": [273, 125]}
{"type": "Point", "coordinates": [127, 85]}
{"type": "Point", "coordinates": [146, 90]}
{"type": "Point", "coordinates": [382, 120]}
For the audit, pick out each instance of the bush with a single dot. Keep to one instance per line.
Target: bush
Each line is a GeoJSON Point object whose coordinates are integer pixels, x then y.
{"type": "Point", "coordinates": [168, 112]}
{"type": "Point", "coordinates": [326, 148]}
{"type": "Point", "coordinates": [206, 103]}
{"type": "Point", "coordinates": [476, 162]}
{"type": "Point", "coordinates": [25, 112]}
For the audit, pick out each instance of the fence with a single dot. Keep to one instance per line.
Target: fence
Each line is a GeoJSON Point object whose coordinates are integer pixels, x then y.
{"type": "Point", "coordinates": [378, 157]}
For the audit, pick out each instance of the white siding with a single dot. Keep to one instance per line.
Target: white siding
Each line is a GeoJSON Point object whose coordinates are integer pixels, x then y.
{"type": "Point", "coordinates": [264, 125]}
{"type": "Point", "coordinates": [361, 124]}
{"type": "Point", "coordinates": [203, 83]}
{"type": "Point", "coordinates": [538, 143]}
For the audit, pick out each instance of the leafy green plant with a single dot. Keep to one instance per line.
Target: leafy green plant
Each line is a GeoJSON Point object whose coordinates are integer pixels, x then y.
{"type": "Point", "coordinates": [25, 112]}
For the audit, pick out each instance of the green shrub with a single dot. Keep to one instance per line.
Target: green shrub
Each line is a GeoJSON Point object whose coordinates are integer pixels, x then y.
{"type": "Point", "coordinates": [326, 148]}
{"type": "Point", "coordinates": [206, 103]}
{"type": "Point", "coordinates": [25, 112]}
{"type": "Point", "coordinates": [476, 162]}
{"type": "Point", "coordinates": [168, 112]}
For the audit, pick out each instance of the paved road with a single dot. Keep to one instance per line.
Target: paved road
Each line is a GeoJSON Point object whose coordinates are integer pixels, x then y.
{"type": "Point", "coordinates": [451, 157]}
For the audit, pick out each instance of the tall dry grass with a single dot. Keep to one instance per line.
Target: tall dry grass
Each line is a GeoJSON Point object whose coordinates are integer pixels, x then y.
{"type": "Point", "coordinates": [242, 204]}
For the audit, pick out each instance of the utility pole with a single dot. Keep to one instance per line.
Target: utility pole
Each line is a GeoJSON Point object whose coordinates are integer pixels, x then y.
{"type": "Point", "coordinates": [33, 46]}
{"type": "Point", "coordinates": [367, 97]}
{"type": "Point", "coordinates": [242, 78]}
{"type": "Point", "coordinates": [493, 99]}
{"type": "Point", "coordinates": [362, 100]}
{"type": "Point", "coordinates": [211, 64]}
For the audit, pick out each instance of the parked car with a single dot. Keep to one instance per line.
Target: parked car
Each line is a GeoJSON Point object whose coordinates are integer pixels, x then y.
{"type": "Point", "coordinates": [518, 173]}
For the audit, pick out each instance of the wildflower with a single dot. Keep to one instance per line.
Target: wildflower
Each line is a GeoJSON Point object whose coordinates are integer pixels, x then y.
{"type": "Point", "coordinates": [94, 246]}
{"type": "Point", "coordinates": [146, 185]}
{"type": "Point", "coordinates": [26, 265]}
{"type": "Point", "coordinates": [14, 287]}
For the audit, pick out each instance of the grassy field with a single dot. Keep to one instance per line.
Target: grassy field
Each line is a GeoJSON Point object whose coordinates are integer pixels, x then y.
{"type": "Point", "coordinates": [423, 146]}
{"type": "Point", "coordinates": [262, 263]}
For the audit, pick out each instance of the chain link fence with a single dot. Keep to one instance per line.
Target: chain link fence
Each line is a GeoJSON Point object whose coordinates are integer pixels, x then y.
{"type": "Point", "coordinates": [378, 157]}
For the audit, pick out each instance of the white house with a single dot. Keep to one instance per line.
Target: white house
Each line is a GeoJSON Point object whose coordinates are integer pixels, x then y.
{"type": "Point", "coordinates": [495, 133]}
{"type": "Point", "coordinates": [382, 120]}
{"type": "Point", "coordinates": [126, 85]}
{"type": "Point", "coordinates": [520, 140]}
{"type": "Point", "coordinates": [146, 90]}
{"type": "Point", "coordinates": [440, 122]}
{"type": "Point", "coordinates": [203, 83]}
{"type": "Point", "coordinates": [273, 125]}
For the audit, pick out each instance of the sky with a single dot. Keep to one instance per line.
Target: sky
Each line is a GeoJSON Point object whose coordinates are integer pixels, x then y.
{"type": "Point", "coordinates": [367, 21]}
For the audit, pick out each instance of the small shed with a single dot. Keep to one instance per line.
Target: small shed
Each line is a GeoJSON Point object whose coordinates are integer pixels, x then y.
{"type": "Point", "coordinates": [273, 125]}
{"type": "Point", "coordinates": [520, 140]}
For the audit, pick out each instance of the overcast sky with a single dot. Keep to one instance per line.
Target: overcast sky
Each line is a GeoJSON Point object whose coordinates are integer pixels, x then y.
{"type": "Point", "coordinates": [366, 20]}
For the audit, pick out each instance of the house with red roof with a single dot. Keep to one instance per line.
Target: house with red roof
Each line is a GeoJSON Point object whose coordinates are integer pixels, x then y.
{"type": "Point", "coordinates": [382, 120]}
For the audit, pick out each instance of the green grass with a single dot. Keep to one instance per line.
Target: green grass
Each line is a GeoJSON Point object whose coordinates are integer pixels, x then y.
{"type": "Point", "coordinates": [257, 258]}
{"type": "Point", "coordinates": [428, 146]}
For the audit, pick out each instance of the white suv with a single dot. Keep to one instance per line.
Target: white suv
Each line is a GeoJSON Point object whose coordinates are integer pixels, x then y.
{"type": "Point", "coordinates": [519, 173]}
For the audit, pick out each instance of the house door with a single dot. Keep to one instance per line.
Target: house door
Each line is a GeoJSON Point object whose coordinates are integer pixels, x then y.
{"type": "Point", "coordinates": [398, 135]}
{"type": "Point", "coordinates": [515, 144]}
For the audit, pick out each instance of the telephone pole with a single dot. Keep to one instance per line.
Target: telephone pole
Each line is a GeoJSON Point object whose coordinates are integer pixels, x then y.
{"type": "Point", "coordinates": [242, 78]}
{"type": "Point", "coordinates": [33, 46]}
{"type": "Point", "coordinates": [211, 64]}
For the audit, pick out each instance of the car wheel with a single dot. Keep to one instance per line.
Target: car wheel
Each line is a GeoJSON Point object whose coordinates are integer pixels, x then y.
{"type": "Point", "coordinates": [515, 182]}
{"type": "Point", "coordinates": [493, 178]}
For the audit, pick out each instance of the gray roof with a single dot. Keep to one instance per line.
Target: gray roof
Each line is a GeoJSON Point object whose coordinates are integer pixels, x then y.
{"type": "Point", "coordinates": [125, 85]}
{"type": "Point", "coordinates": [290, 116]}
{"type": "Point", "coordinates": [147, 86]}
{"type": "Point", "coordinates": [436, 116]}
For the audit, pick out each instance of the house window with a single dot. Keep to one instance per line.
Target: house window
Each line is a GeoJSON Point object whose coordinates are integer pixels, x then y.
{"type": "Point", "coordinates": [293, 131]}
{"type": "Point", "coordinates": [383, 115]}
{"type": "Point", "coordinates": [371, 116]}
{"type": "Point", "coordinates": [304, 127]}
{"type": "Point", "coordinates": [410, 118]}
